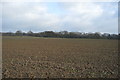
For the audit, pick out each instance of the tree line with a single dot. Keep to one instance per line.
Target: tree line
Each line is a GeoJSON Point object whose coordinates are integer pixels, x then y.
{"type": "Point", "coordinates": [64, 34]}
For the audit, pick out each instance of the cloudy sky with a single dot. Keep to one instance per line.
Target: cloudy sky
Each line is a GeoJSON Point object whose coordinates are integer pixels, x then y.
{"type": "Point", "coordinates": [59, 16]}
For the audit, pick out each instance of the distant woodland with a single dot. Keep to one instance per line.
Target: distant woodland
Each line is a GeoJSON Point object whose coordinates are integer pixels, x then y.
{"type": "Point", "coordinates": [64, 34]}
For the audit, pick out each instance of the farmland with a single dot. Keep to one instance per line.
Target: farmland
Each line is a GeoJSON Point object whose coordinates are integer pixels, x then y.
{"type": "Point", "coordinates": [34, 57]}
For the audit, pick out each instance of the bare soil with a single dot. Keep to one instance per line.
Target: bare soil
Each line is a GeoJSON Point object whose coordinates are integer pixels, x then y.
{"type": "Point", "coordinates": [30, 57]}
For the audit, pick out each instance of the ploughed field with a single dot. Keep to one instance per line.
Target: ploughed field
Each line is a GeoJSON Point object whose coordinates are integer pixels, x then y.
{"type": "Point", "coordinates": [33, 57]}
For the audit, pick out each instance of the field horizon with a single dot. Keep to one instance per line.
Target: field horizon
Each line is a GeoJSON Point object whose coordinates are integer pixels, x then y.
{"type": "Point", "coordinates": [59, 39]}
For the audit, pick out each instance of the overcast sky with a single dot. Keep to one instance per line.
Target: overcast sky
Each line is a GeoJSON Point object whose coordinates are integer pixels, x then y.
{"type": "Point", "coordinates": [59, 16]}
